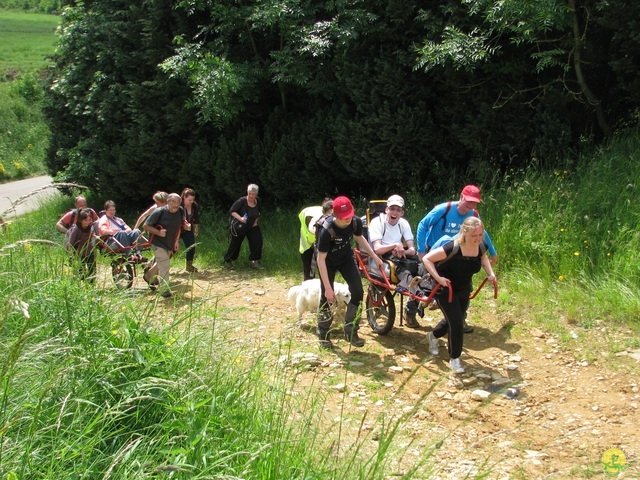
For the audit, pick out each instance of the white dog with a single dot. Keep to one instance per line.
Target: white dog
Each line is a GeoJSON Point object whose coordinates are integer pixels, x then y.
{"type": "Point", "coordinates": [307, 295]}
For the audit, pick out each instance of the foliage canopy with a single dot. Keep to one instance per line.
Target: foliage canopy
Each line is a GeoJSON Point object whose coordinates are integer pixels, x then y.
{"type": "Point", "coordinates": [314, 98]}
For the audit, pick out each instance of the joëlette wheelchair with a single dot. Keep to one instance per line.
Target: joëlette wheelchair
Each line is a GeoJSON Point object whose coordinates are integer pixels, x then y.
{"type": "Point", "coordinates": [383, 285]}
{"type": "Point", "coordinates": [124, 260]}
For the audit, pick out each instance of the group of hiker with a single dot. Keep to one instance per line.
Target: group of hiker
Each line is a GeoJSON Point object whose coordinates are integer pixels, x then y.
{"type": "Point", "coordinates": [451, 245]}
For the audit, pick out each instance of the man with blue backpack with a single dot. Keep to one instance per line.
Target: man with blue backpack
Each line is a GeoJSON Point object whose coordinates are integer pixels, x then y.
{"type": "Point", "coordinates": [443, 223]}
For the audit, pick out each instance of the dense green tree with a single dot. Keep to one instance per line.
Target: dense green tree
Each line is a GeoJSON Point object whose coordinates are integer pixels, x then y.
{"type": "Point", "coordinates": [309, 98]}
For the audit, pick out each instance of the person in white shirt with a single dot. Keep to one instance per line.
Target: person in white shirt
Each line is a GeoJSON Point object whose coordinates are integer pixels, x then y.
{"type": "Point", "coordinates": [392, 239]}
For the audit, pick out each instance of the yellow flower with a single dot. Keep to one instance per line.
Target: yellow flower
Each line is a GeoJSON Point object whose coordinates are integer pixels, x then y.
{"type": "Point", "coordinates": [114, 332]}
{"type": "Point", "coordinates": [561, 278]}
{"type": "Point", "coordinates": [577, 254]}
{"type": "Point", "coordinates": [562, 229]}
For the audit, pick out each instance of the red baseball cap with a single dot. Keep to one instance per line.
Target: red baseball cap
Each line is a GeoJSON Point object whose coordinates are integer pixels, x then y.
{"type": "Point", "coordinates": [471, 193]}
{"type": "Point", "coordinates": [342, 208]}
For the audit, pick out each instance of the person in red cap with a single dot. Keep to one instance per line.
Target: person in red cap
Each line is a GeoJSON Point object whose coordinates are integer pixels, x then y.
{"type": "Point", "coordinates": [443, 220]}
{"type": "Point", "coordinates": [335, 254]}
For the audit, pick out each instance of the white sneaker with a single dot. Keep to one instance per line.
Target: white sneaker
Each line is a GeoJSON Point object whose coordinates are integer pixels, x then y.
{"type": "Point", "coordinates": [433, 344]}
{"type": "Point", "coordinates": [456, 366]}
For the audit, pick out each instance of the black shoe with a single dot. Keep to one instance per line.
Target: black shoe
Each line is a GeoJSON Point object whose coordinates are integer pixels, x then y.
{"type": "Point", "coordinates": [325, 341]}
{"type": "Point", "coordinates": [167, 294]}
{"type": "Point", "coordinates": [353, 338]}
{"type": "Point", "coordinates": [466, 328]}
{"type": "Point", "coordinates": [410, 320]}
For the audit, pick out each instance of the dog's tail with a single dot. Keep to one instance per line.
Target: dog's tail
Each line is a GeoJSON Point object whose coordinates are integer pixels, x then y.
{"type": "Point", "coordinates": [293, 293]}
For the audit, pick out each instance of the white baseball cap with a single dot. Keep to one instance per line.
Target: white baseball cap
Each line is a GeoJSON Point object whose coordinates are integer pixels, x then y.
{"type": "Point", "coordinates": [395, 200]}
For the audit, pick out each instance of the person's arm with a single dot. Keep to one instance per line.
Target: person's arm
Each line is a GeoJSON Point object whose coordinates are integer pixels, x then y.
{"type": "Point", "coordinates": [426, 225]}
{"type": "Point", "coordinates": [429, 261]}
{"type": "Point", "coordinates": [195, 221]}
{"type": "Point", "coordinates": [104, 227]}
{"type": "Point", "coordinates": [61, 227]}
{"type": "Point", "coordinates": [151, 222]}
{"type": "Point", "coordinates": [144, 216]}
{"type": "Point", "coordinates": [236, 207]}
{"type": "Point", "coordinates": [127, 228]}
{"type": "Point", "coordinates": [63, 224]}
{"type": "Point", "coordinates": [486, 264]}
{"type": "Point", "coordinates": [364, 245]}
{"type": "Point", "coordinates": [321, 260]}
{"type": "Point", "coordinates": [493, 254]}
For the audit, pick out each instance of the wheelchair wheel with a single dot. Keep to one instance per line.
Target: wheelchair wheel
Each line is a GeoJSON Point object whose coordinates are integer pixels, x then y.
{"type": "Point", "coordinates": [381, 309]}
{"type": "Point", "coordinates": [122, 273]}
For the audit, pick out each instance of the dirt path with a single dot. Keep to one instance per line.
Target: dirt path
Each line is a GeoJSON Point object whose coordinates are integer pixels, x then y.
{"type": "Point", "coordinates": [570, 410]}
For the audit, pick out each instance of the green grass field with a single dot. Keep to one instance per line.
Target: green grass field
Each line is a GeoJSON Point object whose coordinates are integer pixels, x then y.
{"type": "Point", "coordinates": [25, 41]}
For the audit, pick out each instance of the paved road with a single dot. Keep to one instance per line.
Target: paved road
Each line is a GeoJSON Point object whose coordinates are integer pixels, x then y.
{"type": "Point", "coordinates": [12, 191]}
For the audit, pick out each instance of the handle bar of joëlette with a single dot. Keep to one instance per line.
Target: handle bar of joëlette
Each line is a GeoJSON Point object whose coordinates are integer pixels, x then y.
{"type": "Point", "coordinates": [495, 289]}
{"type": "Point", "coordinates": [387, 284]}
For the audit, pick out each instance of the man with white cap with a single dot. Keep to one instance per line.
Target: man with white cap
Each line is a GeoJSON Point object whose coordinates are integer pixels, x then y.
{"type": "Point", "coordinates": [392, 238]}
{"type": "Point", "coordinates": [446, 219]}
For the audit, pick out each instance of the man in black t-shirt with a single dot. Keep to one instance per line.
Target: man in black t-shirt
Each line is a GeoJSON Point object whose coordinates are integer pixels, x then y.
{"type": "Point", "coordinates": [333, 243]}
{"type": "Point", "coordinates": [166, 223]}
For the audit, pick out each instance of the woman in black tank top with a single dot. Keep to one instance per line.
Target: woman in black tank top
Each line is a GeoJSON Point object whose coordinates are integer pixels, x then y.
{"type": "Point", "coordinates": [456, 274]}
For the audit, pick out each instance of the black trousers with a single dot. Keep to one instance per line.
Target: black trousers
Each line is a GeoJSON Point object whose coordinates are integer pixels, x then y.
{"type": "Point", "coordinates": [254, 237]}
{"type": "Point", "coordinates": [308, 264]}
{"type": "Point", "coordinates": [349, 271]}
{"type": "Point", "coordinates": [189, 239]}
{"type": "Point", "coordinates": [452, 323]}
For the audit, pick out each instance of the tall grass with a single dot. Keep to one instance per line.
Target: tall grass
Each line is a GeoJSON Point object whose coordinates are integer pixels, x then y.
{"type": "Point", "coordinates": [574, 231]}
{"type": "Point", "coordinates": [97, 385]}
{"type": "Point", "coordinates": [25, 42]}
{"type": "Point", "coordinates": [24, 136]}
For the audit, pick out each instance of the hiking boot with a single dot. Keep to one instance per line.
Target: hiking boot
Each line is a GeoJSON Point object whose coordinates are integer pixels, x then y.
{"type": "Point", "coordinates": [228, 264]}
{"type": "Point", "coordinates": [190, 268]}
{"type": "Point", "coordinates": [456, 366]}
{"type": "Point", "coordinates": [410, 320]}
{"type": "Point", "coordinates": [434, 346]}
{"type": "Point", "coordinates": [466, 328]}
{"type": "Point", "coordinates": [256, 265]}
{"type": "Point", "coordinates": [325, 341]}
{"type": "Point", "coordinates": [351, 334]}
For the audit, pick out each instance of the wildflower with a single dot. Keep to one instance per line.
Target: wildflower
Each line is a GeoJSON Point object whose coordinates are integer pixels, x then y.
{"type": "Point", "coordinates": [114, 332]}
{"type": "Point", "coordinates": [561, 278]}
{"type": "Point", "coordinates": [577, 254]}
{"type": "Point", "coordinates": [562, 229]}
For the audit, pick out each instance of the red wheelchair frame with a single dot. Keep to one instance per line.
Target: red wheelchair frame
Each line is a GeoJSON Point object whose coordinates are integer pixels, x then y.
{"type": "Point", "coordinates": [123, 263]}
{"type": "Point", "coordinates": [380, 300]}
